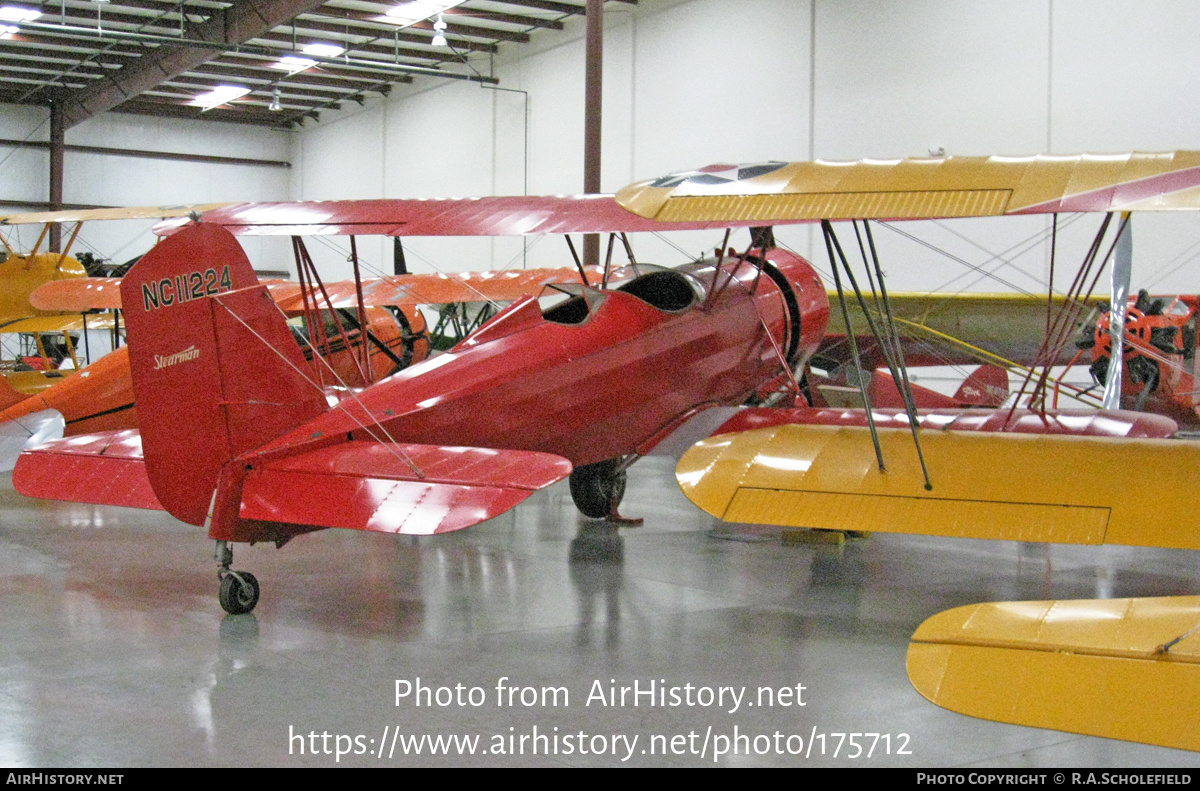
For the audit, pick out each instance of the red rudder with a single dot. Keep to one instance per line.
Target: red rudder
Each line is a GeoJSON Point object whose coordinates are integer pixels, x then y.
{"type": "Point", "coordinates": [215, 368]}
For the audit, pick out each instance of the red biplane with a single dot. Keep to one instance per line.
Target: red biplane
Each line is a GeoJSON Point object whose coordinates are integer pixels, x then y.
{"type": "Point", "coordinates": [577, 384]}
{"type": "Point", "coordinates": [272, 447]}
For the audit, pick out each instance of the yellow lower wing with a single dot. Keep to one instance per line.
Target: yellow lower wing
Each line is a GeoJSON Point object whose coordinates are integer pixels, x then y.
{"type": "Point", "coordinates": [1015, 487]}
{"type": "Point", "coordinates": [1111, 668]}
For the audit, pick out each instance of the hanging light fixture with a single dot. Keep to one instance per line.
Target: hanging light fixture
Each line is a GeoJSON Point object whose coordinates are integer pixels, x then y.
{"type": "Point", "coordinates": [323, 50]}
{"type": "Point", "coordinates": [439, 32]}
{"type": "Point", "coordinates": [222, 94]}
{"type": "Point", "coordinates": [275, 106]}
{"type": "Point", "coordinates": [293, 64]}
{"type": "Point", "coordinates": [414, 11]}
{"type": "Point", "coordinates": [14, 13]}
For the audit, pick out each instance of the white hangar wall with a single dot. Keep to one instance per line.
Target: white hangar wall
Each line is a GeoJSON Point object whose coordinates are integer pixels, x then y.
{"type": "Point", "coordinates": [694, 82]}
{"type": "Point", "coordinates": [102, 179]}
{"type": "Point", "coordinates": [690, 82]}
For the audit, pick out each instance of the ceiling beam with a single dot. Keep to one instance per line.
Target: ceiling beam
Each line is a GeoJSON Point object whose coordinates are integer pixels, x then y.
{"type": "Point", "coordinates": [509, 19]}
{"type": "Point", "coordinates": [52, 61]}
{"type": "Point", "coordinates": [41, 204]}
{"type": "Point", "coordinates": [303, 80]}
{"type": "Point", "coordinates": [40, 78]}
{"type": "Point", "coordinates": [148, 105]}
{"type": "Point", "coordinates": [474, 31]}
{"type": "Point", "coordinates": [197, 79]}
{"type": "Point", "coordinates": [237, 24]}
{"type": "Point", "coordinates": [386, 29]}
{"type": "Point", "coordinates": [73, 41]}
{"type": "Point", "coordinates": [385, 54]}
{"type": "Point", "coordinates": [386, 48]}
{"type": "Point", "coordinates": [548, 5]}
{"type": "Point", "coordinates": [140, 153]}
{"type": "Point", "coordinates": [356, 23]}
{"type": "Point", "coordinates": [50, 69]}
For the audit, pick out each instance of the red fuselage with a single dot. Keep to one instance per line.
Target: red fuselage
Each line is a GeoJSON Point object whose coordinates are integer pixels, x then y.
{"type": "Point", "coordinates": [595, 379]}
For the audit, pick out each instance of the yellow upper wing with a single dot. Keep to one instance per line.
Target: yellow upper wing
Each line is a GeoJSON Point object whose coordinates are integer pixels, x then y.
{"type": "Point", "coordinates": [921, 188]}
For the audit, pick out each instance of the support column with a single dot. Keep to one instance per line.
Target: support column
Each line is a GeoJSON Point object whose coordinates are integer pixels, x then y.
{"type": "Point", "coordinates": [593, 73]}
{"type": "Point", "coordinates": [57, 146]}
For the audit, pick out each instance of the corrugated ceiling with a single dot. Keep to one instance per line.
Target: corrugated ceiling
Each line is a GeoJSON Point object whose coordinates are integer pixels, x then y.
{"type": "Point", "coordinates": [156, 56]}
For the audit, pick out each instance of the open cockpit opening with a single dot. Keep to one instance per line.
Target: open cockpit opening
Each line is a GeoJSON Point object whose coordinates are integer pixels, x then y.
{"type": "Point", "coordinates": [665, 289]}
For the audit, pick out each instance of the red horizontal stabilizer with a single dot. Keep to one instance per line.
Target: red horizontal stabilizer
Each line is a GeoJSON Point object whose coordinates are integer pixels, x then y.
{"type": "Point", "coordinates": [105, 469]}
{"type": "Point", "coordinates": [370, 486]}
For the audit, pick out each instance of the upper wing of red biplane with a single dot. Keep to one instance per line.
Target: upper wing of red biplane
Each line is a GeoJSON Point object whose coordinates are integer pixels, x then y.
{"type": "Point", "coordinates": [508, 215]}
{"type": "Point", "coordinates": [511, 215]}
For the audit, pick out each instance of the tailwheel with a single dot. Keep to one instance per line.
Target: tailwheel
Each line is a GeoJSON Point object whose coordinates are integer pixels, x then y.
{"type": "Point", "coordinates": [239, 592]}
{"type": "Point", "coordinates": [239, 589]}
{"type": "Point", "coordinates": [597, 490]}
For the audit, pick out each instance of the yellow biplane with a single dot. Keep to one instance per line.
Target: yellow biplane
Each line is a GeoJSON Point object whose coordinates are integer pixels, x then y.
{"type": "Point", "coordinates": [1126, 669]}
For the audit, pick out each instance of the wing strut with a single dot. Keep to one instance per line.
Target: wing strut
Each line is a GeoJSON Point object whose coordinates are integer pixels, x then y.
{"type": "Point", "coordinates": [362, 314]}
{"type": "Point", "coordinates": [628, 248]}
{"type": "Point", "coordinates": [1066, 318]}
{"type": "Point", "coordinates": [712, 287]}
{"type": "Point", "coordinates": [1120, 275]}
{"type": "Point", "coordinates": [896, 356]}
{"type": "Point", "coordinates": [830, 242]}
{"type": "Point", "coordinates": [612, 239]}
{"type": "Point", "coordinates": [578, 263]}
{"type": "Point", "coordinates": [888, 345]}
{"type": "Point", "coordinates": [307, 271]}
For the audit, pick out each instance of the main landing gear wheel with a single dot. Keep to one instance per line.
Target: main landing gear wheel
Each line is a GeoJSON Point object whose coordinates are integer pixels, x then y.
{"type": "Point", "coordinates": [239, 589]}
{"type": "Point", "coordinates": [597, 490]}
{"type": "Point", "coordinates": [239, 592]}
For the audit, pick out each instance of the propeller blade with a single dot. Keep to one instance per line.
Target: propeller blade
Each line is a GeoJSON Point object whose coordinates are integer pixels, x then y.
{"type": "Point", "coordinates": [1121, 274]}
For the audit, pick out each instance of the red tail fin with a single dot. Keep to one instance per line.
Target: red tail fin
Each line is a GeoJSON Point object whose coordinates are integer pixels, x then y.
{"type": "Point", "coordinates": [885, 393]}
{"type": "Point", "coordinates": [988, 386]}
{"type": "Point", "coordinates": [9, 395]}
{"type": "Point", "coordinates": [216, 370]}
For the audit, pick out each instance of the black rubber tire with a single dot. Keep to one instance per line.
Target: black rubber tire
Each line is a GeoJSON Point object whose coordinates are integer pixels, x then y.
{"type": "Point", "coordinates": [238, 596]}
{"type": "Point", "coordinates": [598, 488]}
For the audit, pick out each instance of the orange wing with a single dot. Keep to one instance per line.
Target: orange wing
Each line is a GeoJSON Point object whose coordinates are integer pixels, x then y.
{"type": "Point", "coordinates": [104, 293]}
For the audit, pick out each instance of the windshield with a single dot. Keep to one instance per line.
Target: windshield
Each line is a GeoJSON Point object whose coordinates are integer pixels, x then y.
{"type": "Point", "coordinates": [569, 303]}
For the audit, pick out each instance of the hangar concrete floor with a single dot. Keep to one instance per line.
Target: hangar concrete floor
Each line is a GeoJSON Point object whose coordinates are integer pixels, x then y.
{"type": "Point", "coordinates": [115, 652]}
